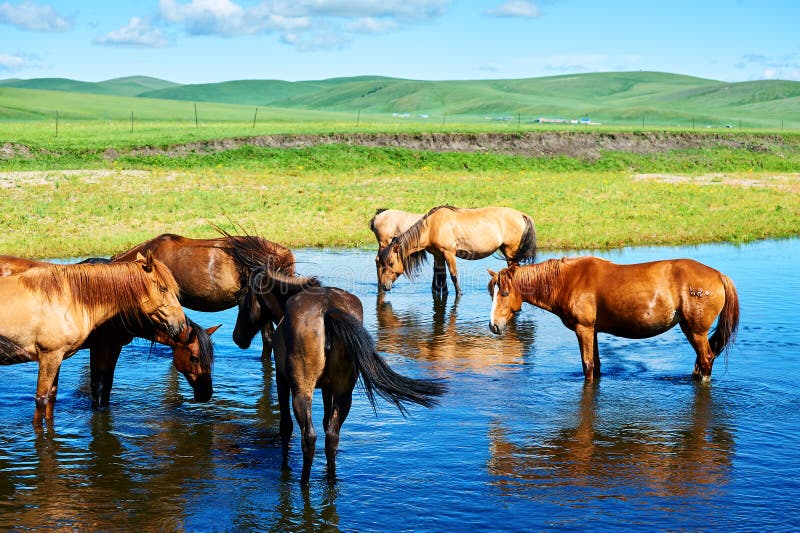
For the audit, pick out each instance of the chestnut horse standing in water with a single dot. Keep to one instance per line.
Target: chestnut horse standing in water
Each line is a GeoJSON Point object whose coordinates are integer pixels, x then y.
{"type": "Point", "coordinates": [321, 342]}
{"type": "Point", "coordinates": [48, 312]}
{"type": "Point", "coordinates": [448, 232]}
{"type": "Point", "coordinates": [192, 351]}
{"type": "Point", "coordinates": [212, 273]}
{"type": "Point", "coordinates": [592, 295]}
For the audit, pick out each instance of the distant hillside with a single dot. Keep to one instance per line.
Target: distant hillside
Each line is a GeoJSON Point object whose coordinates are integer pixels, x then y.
{"type": "Point", "coordinates": [609, 97]}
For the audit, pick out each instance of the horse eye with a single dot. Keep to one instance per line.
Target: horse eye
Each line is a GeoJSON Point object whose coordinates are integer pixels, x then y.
{"type": "Point", "coordinates": [194, 359]}
{"type": "Point", "coordinates": [504, 294]}
{"type": "Point", "coordinates": [163, 290]}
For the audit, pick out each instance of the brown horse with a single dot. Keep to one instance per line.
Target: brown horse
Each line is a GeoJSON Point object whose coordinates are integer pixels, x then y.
{"type": "Point", "coordinates": [192, 352]}
{"type": "Point", "coordinates": [49, 312]}
{"type": "Point", "coordinates": [321, 343]}
{"type": "Point", "coordinates": [448, 232]}
{"type": "Point", "coordinates": [388, 224]}
{"type": "Point", "coordinates": [212, 273]}
{"type": "Point", "coordinates": [591, 295]}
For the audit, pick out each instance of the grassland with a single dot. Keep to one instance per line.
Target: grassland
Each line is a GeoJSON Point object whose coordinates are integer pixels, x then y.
{"type": "Point", "coordinates": [104, 181]}
{"type": "Point", "coordinates": [325, 195]}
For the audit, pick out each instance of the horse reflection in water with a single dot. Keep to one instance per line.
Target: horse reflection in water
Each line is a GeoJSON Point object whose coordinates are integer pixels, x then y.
{"type": "Point", "coordinates": [441, 340]}
{"type": "Point", "coordinates": [625, 453]}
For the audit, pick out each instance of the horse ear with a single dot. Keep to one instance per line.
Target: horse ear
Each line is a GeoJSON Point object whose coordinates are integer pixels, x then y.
{"type": "Point", "coordinates": [492, 273]}
{"type": "Point", "coordinates": [139, 257]}
{"type": "Point", "coordinates": [212, 329]}
{"type": "Point", "coordinates": [148, 262]}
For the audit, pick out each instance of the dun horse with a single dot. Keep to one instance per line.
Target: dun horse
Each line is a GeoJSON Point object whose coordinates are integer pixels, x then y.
{"type": "Point", "coordinates": [49, 312]}
{"type": "Point", "coordinates": [448, 232]}
{"type": "Point", "coordinates": [212, 273]}
{"type": "Point", "coordinates": [321, 343]}
{"type": "Point", "coordinates": [192, 352]}
{"type": "Point", "coordinates": [388, 224]}
{"type": "Point", "coordinates": [591, 295]}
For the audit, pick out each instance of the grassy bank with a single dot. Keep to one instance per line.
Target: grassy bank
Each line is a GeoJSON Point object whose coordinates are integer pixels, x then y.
{"type": "Point", "coordinates": [325, 196]}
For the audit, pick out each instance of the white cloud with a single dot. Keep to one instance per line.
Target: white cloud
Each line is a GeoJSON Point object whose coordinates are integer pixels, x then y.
{"type": "Point", "coordinates": [763, 67]}
{"type": "Point", "coordinates": [9, 62]}
{"type": "Point", "coordinates": [137, 33]}
{"type": "Point", "coordinates": [29, 16]}
{"type": "Point", "coordinates": [304, 24]}
{"type": "Point", "coordinates": [515, 9]}
{"type": "Point", "coordinates": [371, 25]}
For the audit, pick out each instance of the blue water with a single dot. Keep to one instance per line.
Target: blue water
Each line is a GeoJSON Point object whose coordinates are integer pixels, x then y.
{"type": "Point", "coordinates": [518, 444]}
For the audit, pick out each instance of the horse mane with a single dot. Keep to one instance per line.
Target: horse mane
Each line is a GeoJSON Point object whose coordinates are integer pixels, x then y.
{"type": "Point", "coordinates": [372, 220]}
{"type": "Point", "coordinates": [204, 339]}
{"type": "Point", "coordinates": [412, 261]}
{"type": "Point", "coordinates": [93, 285]}
{"type": "Point", "coordinates": [252, 253]}
{"type": "Point", "coordinates": [267, 280]}
{"type": "Point", "coordinates": [541, 279]}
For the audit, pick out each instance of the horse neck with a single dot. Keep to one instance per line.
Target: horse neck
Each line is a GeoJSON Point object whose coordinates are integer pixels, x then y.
{"type": "Point", "coordinates": [415, 238]}
{"type": "Point", "coordinates": [540, 284]}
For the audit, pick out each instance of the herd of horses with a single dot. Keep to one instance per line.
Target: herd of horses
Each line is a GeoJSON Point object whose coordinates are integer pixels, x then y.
{"type": "Point", "coordinates": [316, 333]}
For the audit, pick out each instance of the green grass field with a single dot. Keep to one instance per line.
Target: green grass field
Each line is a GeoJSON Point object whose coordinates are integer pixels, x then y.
{"type": "Point", "coordinates": [94, 182]}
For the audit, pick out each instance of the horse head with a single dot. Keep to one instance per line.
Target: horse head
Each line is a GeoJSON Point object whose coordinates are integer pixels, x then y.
{"type": "Point", "coordinates": [506, 298]}
{"type": "Point", "coordinates": [160, 303]}
{"type": "Point", "coordinates": [262, 301]}
{"type": "Point", "coordinates": [390, 265]}
{"type": "Point", "coordinates": [192, 356]}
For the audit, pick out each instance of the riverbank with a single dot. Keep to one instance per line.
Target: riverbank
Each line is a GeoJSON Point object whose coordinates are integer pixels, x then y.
{"type": "Point", "coordinates": [650, 189]}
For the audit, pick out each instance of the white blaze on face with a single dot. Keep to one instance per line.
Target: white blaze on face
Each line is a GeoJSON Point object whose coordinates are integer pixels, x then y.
{"type": "Point", "coordinates": [494, 300]}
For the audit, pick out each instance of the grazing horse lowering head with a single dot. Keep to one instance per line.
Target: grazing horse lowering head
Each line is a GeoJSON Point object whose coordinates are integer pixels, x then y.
{"type": "Point", "coordinates": [390, 265]}
{"type": "Point", "coordinates": [506, 298]}
{"type": "Point", "coordinates": [193, 356]}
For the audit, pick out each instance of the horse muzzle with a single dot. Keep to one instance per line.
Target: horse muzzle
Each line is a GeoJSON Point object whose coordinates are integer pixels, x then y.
{"type": "Point", "coordinates": [497, 327]}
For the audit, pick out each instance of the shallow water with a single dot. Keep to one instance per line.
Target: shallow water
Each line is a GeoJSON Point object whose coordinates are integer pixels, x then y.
{"type": "Point", "coordinates": [519, 443]}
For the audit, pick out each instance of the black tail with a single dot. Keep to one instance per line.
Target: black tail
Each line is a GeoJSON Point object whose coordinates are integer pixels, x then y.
{"type": "Point", "coordinates": [526, 253]}
{"type": "Point", "coordinates": [375, 373]}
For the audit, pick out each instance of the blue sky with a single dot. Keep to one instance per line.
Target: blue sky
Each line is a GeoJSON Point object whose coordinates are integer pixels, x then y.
{"type": "Point", "coordinates": [195, 41]}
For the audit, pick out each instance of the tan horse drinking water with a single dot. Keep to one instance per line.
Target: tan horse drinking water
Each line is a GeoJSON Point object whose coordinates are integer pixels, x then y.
{"type": "Point", "coordinates": [47, 313]}
{"type": "Point", "coordinates": [591, 295]}
{"type": "Point", "coordinates": [388, 224]}
{"type": "Point", "coordinates": [448, 232]}
{"type": "Point", "coordinates": [192, 351]}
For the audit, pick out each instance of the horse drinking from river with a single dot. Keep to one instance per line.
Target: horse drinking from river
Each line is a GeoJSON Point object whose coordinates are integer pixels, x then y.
{"type": "Point", "coordinates": [592, 295]}
{"type": "Point", "coordinates": [48, 312]}
{"type": "Point", "coordinates": [192, 351]}
{"type": "Point", "coordinates": [388, 224]}
{"type": "Point", "coordinates": [448, 232]}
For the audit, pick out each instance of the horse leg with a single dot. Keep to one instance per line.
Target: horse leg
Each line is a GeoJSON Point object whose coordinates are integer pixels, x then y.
{"type": "Point", "coordinates": [301, 404]}
{"type": "Point", "coordinates": [46, 387]}
{"type": "Point", "coordinates": [704, 360]}
{"type": "Point", "coordinates": [451, 266]}
{"type": "Point", "coordinates": [439, 285]}
{"type": "Point", "coordinates": [102, 363]}
{"type": "Point", "coordinates": [337, 407]}
{"type": "Point", "coordinates": [286, 418]}
{"type": "Point", "coordinates": [266, 340]}
{"type": "Point", "coordinates": [590, 356]}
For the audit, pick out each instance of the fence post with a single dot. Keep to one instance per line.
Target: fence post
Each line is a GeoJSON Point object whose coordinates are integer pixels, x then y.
{"type": "Point", "coordinates": [195, 116]}
{"type": "Point", "coordinates": [255, 115]}
{"type": "Point", "coordinates": [131, 121]}
{"type": "Point", "coordinates": [358, 117]}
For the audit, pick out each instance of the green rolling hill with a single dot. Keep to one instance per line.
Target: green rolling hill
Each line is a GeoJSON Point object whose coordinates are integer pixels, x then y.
{"type": "Point", "coordinates": [609, 97]}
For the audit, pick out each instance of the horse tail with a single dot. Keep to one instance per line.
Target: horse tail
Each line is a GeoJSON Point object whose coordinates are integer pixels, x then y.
{"type": "Point", "coordinates": [12, 353]}
{"type": "Point", "coordinates": [376, 375]}
{"type": "Point", "coordinates": [526, 251]}
{"type": "Point", "coordinates": [728, 322]}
